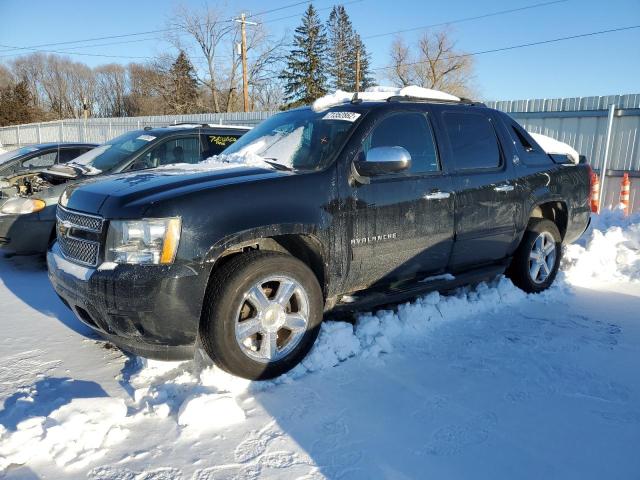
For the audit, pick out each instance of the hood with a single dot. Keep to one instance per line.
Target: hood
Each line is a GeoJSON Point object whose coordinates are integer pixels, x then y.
{"type": "Point", "coordinates": [64, 171]}
{"type": "Point", "coordinates": [129, 195]}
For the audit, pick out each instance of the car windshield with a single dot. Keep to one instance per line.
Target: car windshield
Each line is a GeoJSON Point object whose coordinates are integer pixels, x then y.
{"type": "Point", "coordinates": [299, 139]}
{"type": "Point", "coordinates": [112, 153]}
{"type": "Point", "coordinates": [7, 156]}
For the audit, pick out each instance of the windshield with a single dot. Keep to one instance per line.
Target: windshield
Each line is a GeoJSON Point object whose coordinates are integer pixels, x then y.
{"type": "Point", "coordinates": [5, 157]}
{"type": "Point", "coordinates": [112, 153]}
{"type": "Point", "coordinates": [299, 139]}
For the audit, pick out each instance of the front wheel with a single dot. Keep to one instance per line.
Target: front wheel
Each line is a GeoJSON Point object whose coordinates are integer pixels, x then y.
{"type": "Point", "coordinates": [536, 262]}
{"type": "Point", "coordinates": [262, 314]}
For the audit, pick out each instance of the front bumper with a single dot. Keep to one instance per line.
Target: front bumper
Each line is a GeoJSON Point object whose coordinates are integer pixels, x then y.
{"type": "Point", "coordinates": [149, 310]}
{"type": "Point", "coordinates": [24, 234]}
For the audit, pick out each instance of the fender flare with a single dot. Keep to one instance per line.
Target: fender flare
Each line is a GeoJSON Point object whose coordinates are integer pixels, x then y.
{"type": "Point", "coordinates": [246, 237]}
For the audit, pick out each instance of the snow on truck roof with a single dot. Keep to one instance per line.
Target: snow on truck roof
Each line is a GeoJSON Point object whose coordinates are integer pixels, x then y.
{"type": "Point", "coordinates": [380, 94]}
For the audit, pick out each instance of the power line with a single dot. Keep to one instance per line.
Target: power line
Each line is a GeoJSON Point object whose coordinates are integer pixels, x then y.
{"type": "Point", "coordinates": [125, 35]}
{"type": "Point", "coordinates": [69, 51]}
{"type": "Point", "coordinates": [61, 52]}
{"type": "Point", "coordinates": [522, 45]}
{"type": "Point", "coordinates": [467, 19]}
{"type": "Point", "coordinates": [278, 9]}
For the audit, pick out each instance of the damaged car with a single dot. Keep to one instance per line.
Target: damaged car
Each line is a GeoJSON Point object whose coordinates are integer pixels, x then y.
{"type": "Point", "coordinates": [28, 204]}
{"type": "Point", "coordinates": [31, 159]}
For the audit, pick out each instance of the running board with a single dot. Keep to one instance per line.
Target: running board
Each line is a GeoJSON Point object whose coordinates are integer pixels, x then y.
{"type": "Point", "coordinates": [366, 299]}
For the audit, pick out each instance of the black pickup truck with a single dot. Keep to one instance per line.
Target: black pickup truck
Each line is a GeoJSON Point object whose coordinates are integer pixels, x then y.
{"type": "Point", "coordinates": [362, 203]}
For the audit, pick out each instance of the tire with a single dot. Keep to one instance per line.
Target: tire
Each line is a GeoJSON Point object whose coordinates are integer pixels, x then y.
{"type": "Point", "coordinates": [239, 325]}
{"type": "Point", "coordinates": [523, 268]}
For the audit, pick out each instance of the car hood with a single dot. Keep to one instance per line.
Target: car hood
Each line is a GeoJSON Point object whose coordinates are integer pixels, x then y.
{"type": "Point", "coordinates": [129, 195]}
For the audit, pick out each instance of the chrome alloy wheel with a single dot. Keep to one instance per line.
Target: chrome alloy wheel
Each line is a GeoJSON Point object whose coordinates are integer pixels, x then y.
{"type": "Point", "coordinates": [272, 318]}
{"type": "Point", "coordinates": [542, 257]}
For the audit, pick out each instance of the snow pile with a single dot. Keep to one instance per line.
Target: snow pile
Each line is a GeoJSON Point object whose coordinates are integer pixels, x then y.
{"type": "Point", "coordinates": [166, 391]}
{"type": "Point", "coordinates": [73, 435]}
{"type": "Point", "coordinates": [553, 146]}
{"type": "Point", "coordinates": [609, 251]}
{"type": "Point", "coordinates": [378, 94]}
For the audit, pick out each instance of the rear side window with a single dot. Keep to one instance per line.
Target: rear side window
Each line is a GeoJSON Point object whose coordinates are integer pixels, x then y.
{"type": "Point", "coordinates": [68, 154]}
{"type": "Point", "coordinates": [215, 144]}
{"type": "Point", "coordinates": [528, 144]}
{"type": "Point", "coordinates": [473, 141]}
{"type": "Point", "coordinates": [532, 154]}
{"type": "Point", "coordinates": [412, 131]}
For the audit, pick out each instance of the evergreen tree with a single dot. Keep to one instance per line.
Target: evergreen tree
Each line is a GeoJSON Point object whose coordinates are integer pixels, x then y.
{"type": "Point", "coordinates": [340, 32]}
{"type": "Point", "coordinates": [16, 104]}
{"type": "Point", "coordinates": [344, 43]}
{"type": "Point", "coordinates": [183, 89]}
{"type": "Point", "coordinates": [305, 76]}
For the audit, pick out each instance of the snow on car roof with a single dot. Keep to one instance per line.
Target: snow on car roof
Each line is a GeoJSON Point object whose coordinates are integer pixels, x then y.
{"type": "Point", "coordinates": [379, 94]}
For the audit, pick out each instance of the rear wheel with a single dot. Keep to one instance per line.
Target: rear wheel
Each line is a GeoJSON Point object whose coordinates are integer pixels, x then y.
{"type": "Point", "coordinates": [537, 260]}
{"type": "Point", "coordinates": [262, 314]}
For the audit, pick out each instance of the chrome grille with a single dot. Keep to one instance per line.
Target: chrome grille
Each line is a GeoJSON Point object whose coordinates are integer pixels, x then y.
{"type": "Point", "coordinates": [73, 225]}
{"type": "Point", "coordinates": [79, 220]}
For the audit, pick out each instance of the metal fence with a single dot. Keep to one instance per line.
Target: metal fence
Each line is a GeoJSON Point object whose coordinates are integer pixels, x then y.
{"type": "Point", "coordinates": [604, 129]}
{"type": "Point", "coordinates": [100, 130]}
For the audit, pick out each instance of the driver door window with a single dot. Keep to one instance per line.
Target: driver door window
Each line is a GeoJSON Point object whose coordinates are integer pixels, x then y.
{"type": "Point", "coordinates": [412, 131]}
{"type": "Point", "coordinates": [41, 161]}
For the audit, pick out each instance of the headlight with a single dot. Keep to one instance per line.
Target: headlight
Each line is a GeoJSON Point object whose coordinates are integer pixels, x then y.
{"type": "Point", "coordinates": [150, 241]}
{"type": "Point", "coordinates": [20, 206]}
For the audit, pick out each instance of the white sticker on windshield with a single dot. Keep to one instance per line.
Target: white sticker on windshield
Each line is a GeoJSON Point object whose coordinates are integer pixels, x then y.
{"type": "Point", "coordinates": [146, 138]}
{"type": "Point", "coordinates": [346, 116]}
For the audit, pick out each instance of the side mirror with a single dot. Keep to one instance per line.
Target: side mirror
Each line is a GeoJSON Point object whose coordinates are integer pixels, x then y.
{"type": "Point", "coordinates": [381, 161]}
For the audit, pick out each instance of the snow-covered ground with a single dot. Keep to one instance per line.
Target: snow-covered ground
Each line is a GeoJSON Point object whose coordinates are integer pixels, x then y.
{"type": "Point", "coordinates": [486, 383]}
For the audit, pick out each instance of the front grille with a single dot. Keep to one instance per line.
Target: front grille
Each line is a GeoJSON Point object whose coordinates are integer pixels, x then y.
{"type": "Point", "coordinates": [79, 220]}
{"type": "Point", "coordinates": [73, 228]}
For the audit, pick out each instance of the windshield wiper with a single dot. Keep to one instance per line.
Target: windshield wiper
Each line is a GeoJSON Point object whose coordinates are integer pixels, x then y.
{"type": "Point", "coordinates": [276, 165]}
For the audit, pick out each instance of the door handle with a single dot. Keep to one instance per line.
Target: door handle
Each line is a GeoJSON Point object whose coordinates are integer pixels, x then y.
{"type": "Point", "coordinates": [437, 195]}
{"type": "Point", "coordinates": [504, 188]}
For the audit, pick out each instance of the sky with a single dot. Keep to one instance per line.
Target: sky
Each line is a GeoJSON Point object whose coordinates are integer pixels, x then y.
{"type": "Point", "coordinates": [598, 65]}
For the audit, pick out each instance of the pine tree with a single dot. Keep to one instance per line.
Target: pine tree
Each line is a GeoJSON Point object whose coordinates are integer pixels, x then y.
{"type": "Point", "coordinates": [183, 89]}
{"type": "Point", "coordinates": [340, 32]}
{"type": "Point", "coordinates": [344, 43]}
{"type": "Point", "coordinates": [16, 105]}
{"type": "Point", "coordinates": [305, 75]}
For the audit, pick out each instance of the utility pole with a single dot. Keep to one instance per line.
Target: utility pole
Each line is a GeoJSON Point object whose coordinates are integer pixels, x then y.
{"type": "Point", "coordinates": [243, 51]}
{"type": "Point", "coordinates": [358, 69]}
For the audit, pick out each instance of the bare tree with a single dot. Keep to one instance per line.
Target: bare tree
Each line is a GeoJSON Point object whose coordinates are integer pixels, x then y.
{"type": "Point", "coordinates": [111, 90]}
{"type": "Point", "coordinates": [437, 64]}
{"type": "Point", "coordinates": [207, 28]}
{"type": "Point", "coordinates": [401, 72]}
